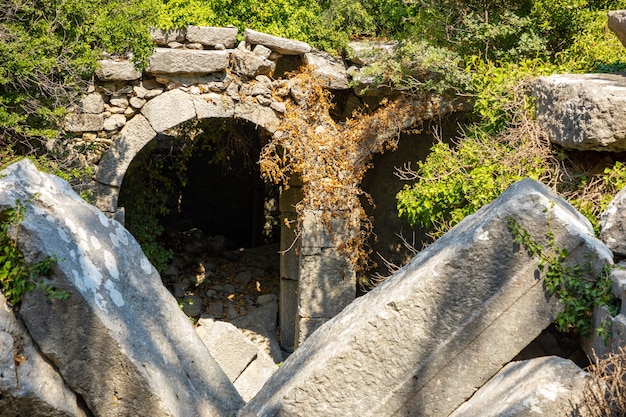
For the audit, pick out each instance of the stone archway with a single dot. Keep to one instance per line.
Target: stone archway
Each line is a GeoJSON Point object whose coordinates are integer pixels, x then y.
{"type": "Point", "coordinates": [157, 116]}
{"type": "Point", "coordinates": [201, 79]}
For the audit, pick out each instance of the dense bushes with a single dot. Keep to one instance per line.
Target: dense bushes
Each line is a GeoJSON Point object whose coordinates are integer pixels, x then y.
{"type": "Point", "coordinates": [503, 144]}
{"type": "Point", "coordinates": [48, 49]}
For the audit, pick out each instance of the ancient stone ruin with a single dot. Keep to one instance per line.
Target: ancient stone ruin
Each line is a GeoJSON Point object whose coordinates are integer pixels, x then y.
{"type": "Point", "coordinates": [196, 74]}
{"type": "Point", "coordinates": [438, 338]}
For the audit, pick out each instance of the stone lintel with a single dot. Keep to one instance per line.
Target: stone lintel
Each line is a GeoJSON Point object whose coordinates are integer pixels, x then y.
{"type": "Point", "coordinates": [176, 61]}
{"type": "Point", "coordinates": [212, 36]}
{"type": "Point", "coordinates": [276, 43]}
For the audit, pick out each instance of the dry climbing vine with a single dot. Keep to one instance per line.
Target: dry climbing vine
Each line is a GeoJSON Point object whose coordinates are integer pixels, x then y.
{"type": "Point", "coordinates": [331, 157]}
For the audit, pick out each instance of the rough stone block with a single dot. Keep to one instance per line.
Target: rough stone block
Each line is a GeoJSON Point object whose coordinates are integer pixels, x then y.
{"type": "Point", "coordinates": [321, 229]}
{"type": "Point", "coordinates": [213, 105]}
{"type": "Point", "coordinates": [327, 284]}
{"type": "Point", "coordinates": [174, 61]}
{"type": "Point", "coordinates": [275, 43]}
{"type": "Point", "coordinates": [84, 122]}
{"type": "Point", "coordinates": [548, 386]}
{"type": "Point", "coordinates": [583, 111]}
{"type": "Point", "coordinates": [328, 69]}
{"type": "Point", "coordinates": [232, 351]}
{"type": "Point", "coordinates": [163, 37]}
{"type": "Point", "coordinates": [617, 24]}
{"type": "Point", "coordinates": [255, 376]}
{"type": "Point", "coordinates": [288, 309]}
{"type": "Point", "coordinates": [132, 138]}
{"type": "Point", "coordinates": [169, 110]}
{"type": "Point", "coordinates": [212, 36]}
{"type": "Point", "coordinates": [120, 339]}
{"type": "Point", "coordinates": [29, 385]}
{"type": "Point", "coordinates": [306, 326]}
{"type": "Point", "coordinates": [250, 64]}
{"type": "Point", "coordinates": [104, 197]}
{"type": "Point", "coordinates": [92, 103]}
{"type": "Point", "coordinates": [370, 52]}
{"type": "Point", "coordinates": [423, 341]}
{"type": "Point", "coordinates": [613, 224]}
{"type": "Point", "coordinates": [113, 70]}
{"type": "Point", "coordinates": [248, 109]}
{"type": "Point", "coordinates": [597, 345]}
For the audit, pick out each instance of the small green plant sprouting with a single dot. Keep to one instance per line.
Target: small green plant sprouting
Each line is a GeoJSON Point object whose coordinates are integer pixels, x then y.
{"type": "Point", "coordinates": [576, 287]}
{"type": "Point", "coordinates": [16, 276]}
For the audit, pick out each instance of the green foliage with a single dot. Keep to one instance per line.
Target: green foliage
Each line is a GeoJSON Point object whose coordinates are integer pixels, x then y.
{"type": "Point", "coordinates": [578, 289]}
{"type": "Point", "coordinates": [48, 49]}
{"type": "Point", "coordinates": [294, 19]}
{"type": "Point", "coordinates": [450, 183]}
{"type": "Point", "coordinates": [16, 276]}
{"type": "Point", "coordinates": [454, 182]}
{"type": "Point", "coordinates": [417, 67]}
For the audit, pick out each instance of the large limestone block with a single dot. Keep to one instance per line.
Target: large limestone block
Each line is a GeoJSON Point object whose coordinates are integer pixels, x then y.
{"type": "Point", "coordinates": [84, 122]}
{"type": "Point", "coordinates": [120, 340]}
{"type": "Point", "coordinates": [613, 224]}
{"type": "Point", "coordinates": [548, 386]}
{"type": "Point", "coordinates": [134, 136]}
{"type": "Point", "coordinates": [115, 70]}
{"type": "Point", "coordinates": [331, 71]}
{"type": "Point", "coordinates": [29, 385]}
{"type": "Point", "coordinates": [249, 109]}
{"type": "Point", "coordinates": [169, 109]}
{"type": "Point", "coordinates": [213, 105]}
{"type": "Point", "coordinates": [175, 61]}
{"type": "Point", "coordinates": [212, 36]}
{"type": "Point", "coordinates": [583, 111]}
{"type": "Point", "coordinates": [617, 23]}
{"type": "Point", "coordinates": [275, 43]}
{"type": "Point", "coordinates": [422, 342]}
{"type": "Point", "coordinates": [232, 351]}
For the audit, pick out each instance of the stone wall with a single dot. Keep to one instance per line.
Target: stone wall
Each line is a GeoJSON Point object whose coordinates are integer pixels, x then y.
{"type": "Point", "coordinates": [199, 73]}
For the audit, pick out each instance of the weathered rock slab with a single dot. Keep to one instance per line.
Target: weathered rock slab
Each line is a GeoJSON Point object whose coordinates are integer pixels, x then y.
{"type": "Point", "coordinates": [617, 24]}
{"type": "Point", "coordinates": [174, 61]}
{"type": "Point", "coordinates": [547, 386]}
{"type": "Point", "coordinates": [583, 111]}
{"type": "Point", "coordinates": [369, 52]}
{"type": "Point", "coordinates": [84, 122]}
{"type": "Point", "coordinates": [120, 340]}
{"type": "Point", "coordinates": [331, 71]}
{"type": "Point", "coordinates": [163, 37]}
{"type": "Point", "coordinates": [422, 342]}
{"type": "Point", "coordinates": [613, 224]}
{"type": "Point", "coordinates": [29, 385]}
{"type": "Point", "coordinates": [134, 136]}
{"type": "Point", "coordinates": [212, 36]}
{"type": "Point", "coordinates": [276, 43]}
{"type": "Point", "coordinates": [169, 109]}
{"type": "Point", "coordinates": [115, 70]}
{"type": "Point", "coordinates": [232, 351]}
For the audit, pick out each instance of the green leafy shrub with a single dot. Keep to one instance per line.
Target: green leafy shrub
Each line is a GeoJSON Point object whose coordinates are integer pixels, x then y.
{"type": "Point", "coordinates": [576, 287]}
{"type": "Point", "coordinates": [48, 50]}
{"type": "Point", "coordinates": [418, 67]}
{"type": "Point", "coordinates": [16, 276]}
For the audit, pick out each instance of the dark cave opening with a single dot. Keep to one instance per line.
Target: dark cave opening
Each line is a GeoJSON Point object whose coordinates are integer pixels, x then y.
{"type": "Point", "coordinates": [205, 177]}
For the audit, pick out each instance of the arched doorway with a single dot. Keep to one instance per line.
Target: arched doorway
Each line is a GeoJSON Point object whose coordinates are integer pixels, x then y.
{"type": "Point", "coordinates": [208, 220]}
